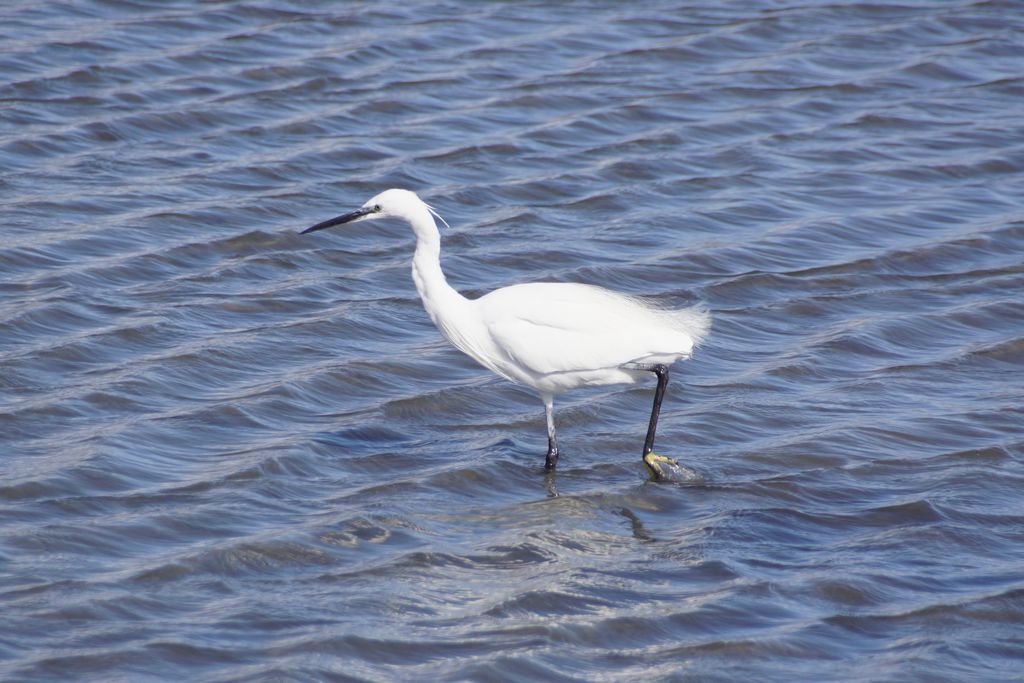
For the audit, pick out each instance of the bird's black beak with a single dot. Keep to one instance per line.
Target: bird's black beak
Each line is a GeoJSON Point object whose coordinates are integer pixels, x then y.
{"type": "Point", "coordinates": [344, 218]}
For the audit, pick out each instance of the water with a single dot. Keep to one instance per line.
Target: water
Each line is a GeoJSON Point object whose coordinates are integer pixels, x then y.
{"type": "Point", "coordinates": [233, 453]}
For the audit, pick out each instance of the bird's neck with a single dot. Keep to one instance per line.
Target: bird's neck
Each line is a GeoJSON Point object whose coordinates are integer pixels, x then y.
{"type": "Point", "coordinates": [439, 298]}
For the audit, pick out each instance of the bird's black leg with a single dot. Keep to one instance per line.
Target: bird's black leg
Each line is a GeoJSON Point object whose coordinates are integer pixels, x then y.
{"type": "Point", "coordinates": [552, 457]}
{"type": "Point", "coordinates": [659, 394]}
{"type": "Point", "coordinates": [549, 413]}
{"type": "Point", "coordinates": [654, 461]}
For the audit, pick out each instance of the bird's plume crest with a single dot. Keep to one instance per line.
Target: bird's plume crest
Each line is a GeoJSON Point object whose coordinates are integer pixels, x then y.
{"type": "Point", "coordinates": [438, 216]}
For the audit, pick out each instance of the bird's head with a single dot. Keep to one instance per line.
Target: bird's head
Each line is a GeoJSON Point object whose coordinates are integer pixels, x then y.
{"type": "Point", "coordinates": [389, 203]}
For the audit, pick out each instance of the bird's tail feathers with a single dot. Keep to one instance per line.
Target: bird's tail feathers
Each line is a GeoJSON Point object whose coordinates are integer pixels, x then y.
{"type": "Point", "coordinates": [694, 320]}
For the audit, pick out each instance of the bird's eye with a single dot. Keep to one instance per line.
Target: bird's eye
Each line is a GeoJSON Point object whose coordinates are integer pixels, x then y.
{"type": "Point", "coordinates": [376, 208]}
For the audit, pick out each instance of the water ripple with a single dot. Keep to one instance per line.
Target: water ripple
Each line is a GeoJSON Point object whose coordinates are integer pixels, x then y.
{"type": "Point", "coordinates": [233, 453]}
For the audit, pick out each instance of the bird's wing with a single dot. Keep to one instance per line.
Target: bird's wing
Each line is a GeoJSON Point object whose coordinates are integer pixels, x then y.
{"type": "Point", "coordinates": [562, 327]}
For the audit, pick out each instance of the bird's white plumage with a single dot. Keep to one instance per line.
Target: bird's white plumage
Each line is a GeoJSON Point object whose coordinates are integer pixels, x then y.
{"type": "Point", "coordinates": [552, 336]}
{"type": "Point", "coordinates": [561, 335]}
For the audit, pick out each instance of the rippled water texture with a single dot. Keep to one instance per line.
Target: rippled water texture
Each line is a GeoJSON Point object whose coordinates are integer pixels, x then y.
{"type": "Point", "coordinates": [234, 453]}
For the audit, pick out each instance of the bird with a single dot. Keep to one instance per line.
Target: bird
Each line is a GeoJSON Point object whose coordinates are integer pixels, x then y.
{"type": "Point", "coordinates": [551, 336]}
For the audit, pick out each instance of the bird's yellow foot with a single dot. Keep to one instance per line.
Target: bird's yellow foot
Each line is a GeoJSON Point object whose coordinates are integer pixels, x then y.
{"type": "Point", "coordinates": [656, 464]}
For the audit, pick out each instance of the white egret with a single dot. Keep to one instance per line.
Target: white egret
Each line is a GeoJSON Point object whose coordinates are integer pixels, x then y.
{"type": "Point", "coordinates": [552, 336]}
